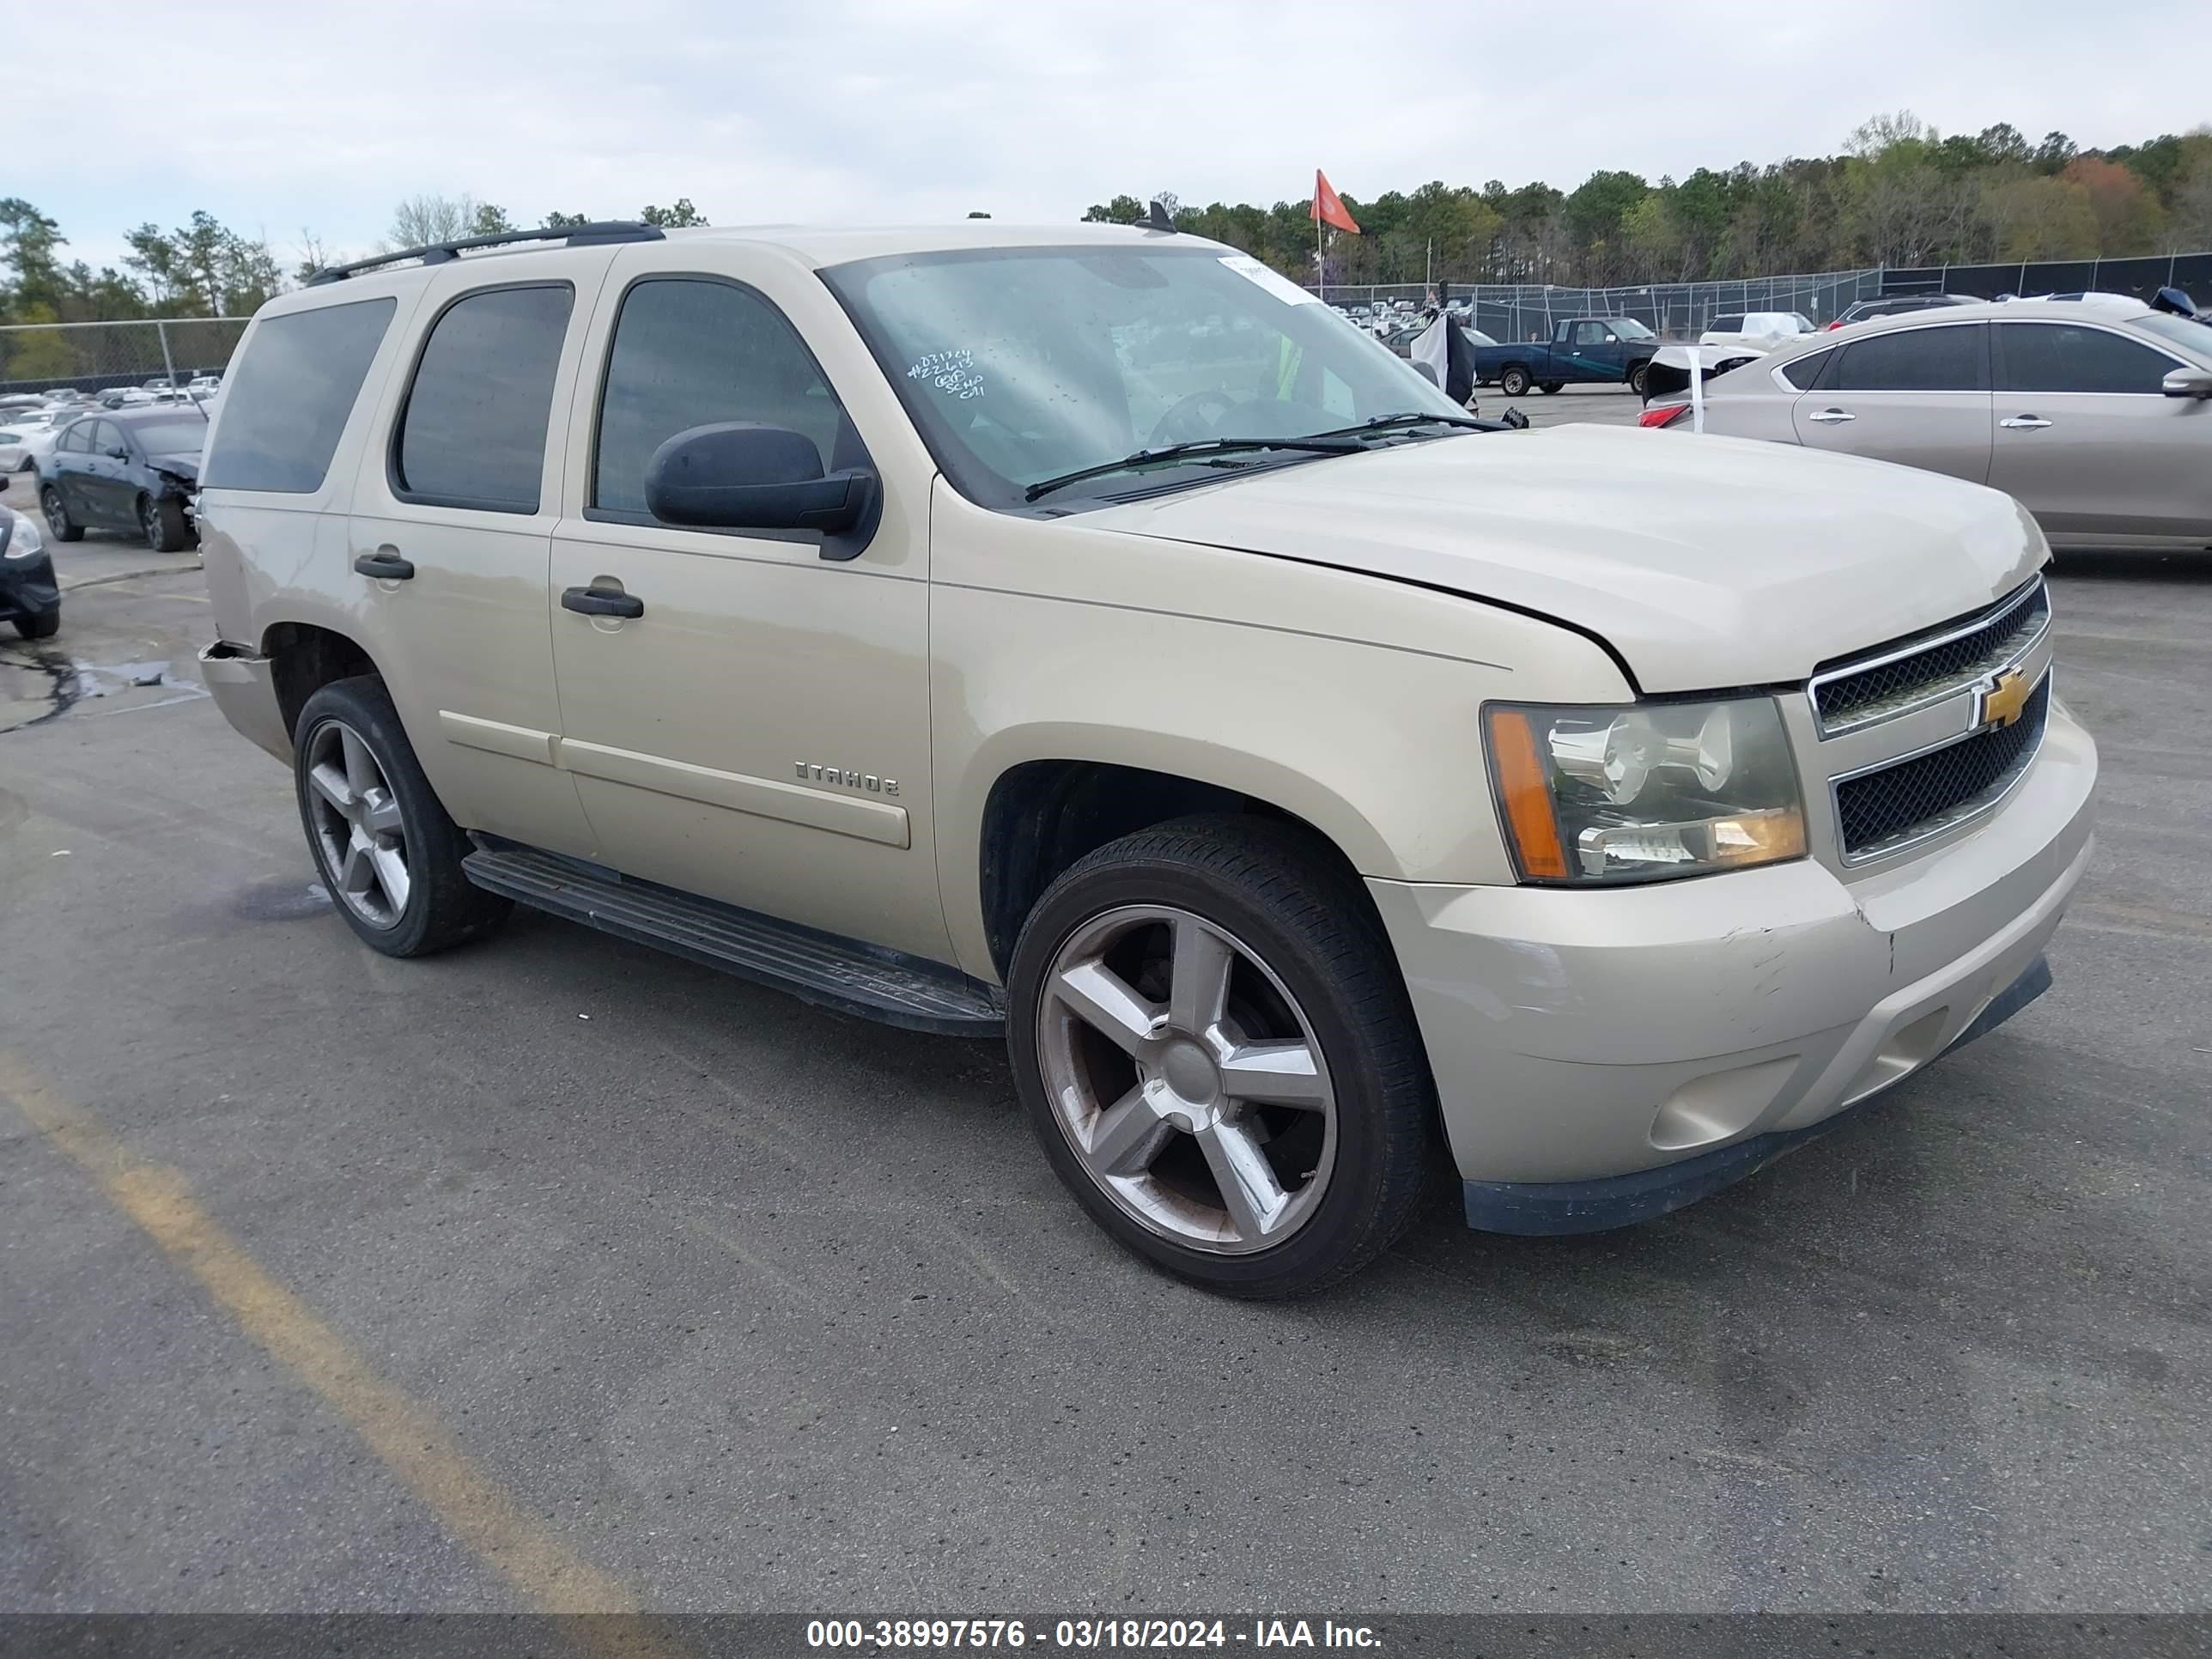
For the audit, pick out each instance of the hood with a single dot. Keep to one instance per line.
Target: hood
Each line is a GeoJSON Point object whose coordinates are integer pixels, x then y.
{"type": "Point", "coordinates": [1705, 562]}
{"type": "Point", "coordinates": [185, 463]}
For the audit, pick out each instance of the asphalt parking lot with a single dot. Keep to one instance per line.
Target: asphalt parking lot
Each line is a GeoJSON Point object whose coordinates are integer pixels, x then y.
{"type": "Point", "coordinates": [554, 1272]}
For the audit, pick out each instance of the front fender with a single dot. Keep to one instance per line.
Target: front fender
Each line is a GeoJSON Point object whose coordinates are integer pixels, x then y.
{"type": "Point", "coordinates": [1349, 701]}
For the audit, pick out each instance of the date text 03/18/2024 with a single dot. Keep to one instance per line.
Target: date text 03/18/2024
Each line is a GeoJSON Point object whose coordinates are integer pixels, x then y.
{"type": "Point", "coordinates": [1084, 1634]}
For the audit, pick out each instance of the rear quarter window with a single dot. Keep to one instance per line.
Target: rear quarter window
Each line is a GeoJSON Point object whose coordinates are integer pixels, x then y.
{"type": "Point", "coordinates": [1804, 373]}
{"type": "Point", "coordinates": [290, 394]}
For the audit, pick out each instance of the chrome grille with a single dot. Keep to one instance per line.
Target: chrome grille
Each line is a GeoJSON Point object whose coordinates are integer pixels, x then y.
{"type": "Point", "coordinates": [1937, 664]}
{"type": "Point", "coordinates": [1894, 805]}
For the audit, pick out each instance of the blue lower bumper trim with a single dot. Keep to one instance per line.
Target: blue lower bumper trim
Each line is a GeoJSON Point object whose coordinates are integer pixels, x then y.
{"type": "Point", "coordinates": [1539, 1208]}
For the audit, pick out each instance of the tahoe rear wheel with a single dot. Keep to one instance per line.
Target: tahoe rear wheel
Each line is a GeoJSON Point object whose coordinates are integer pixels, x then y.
{"type": "Point", "coordinates": [386, 849]}
{"type": "Point", "coordinates": [1211, 1038]}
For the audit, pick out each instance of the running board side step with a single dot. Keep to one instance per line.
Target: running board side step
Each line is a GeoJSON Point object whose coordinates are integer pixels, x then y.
{"type": "Point", "coordinates": [819, 968]}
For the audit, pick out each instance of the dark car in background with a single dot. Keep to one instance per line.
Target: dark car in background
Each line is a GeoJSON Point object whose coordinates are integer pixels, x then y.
{"type": "Point", "coordinates": [30, 597]}
{"type": "Point", "coordinates": [129, 469]}
{"type": "Point", "coordinates": [1896, 306]}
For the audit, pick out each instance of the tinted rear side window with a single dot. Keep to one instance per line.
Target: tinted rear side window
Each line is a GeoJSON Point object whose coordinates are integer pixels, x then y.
{"type": "Point", "coordinates": [688, 353]}
{"type": "Point", "coordinates": [472, 433]}
{"type": "Point", "coordinates": [1803, 371]}
{"type": "Point", "coordinates": [1727, 325]}
{"type": "Point", "coordinates": [2058, 357]}
{"type": "Point", "coordinates": [287, 399]}
{"type": "Point", "coordinates": [1916, 360]}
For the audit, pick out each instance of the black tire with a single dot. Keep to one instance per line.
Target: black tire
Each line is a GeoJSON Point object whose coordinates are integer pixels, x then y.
{"type": "Point", "coordinates": [165, 527]}
{"type": "Point", "coordinates": [1550, 386]}
{"type": "Point", "coordinates": [1637, 374]}
{"type": "Point", "coordinates": [39, 627]}
{"type": "Point", "coordinates": [1514, 382]}
{"type": "Point", "coordinates": [1295, 906]}
{"type": "Point", "coordinates": [58, 518]}
{"type": "Point", "coordinates": [444, 907]}
{"type": "Point", "coordinates": [27, 466]}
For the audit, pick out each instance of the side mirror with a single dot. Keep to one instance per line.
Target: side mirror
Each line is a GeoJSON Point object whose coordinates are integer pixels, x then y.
{"type": "Point", "coordinates": [1427, 371]}
{"type": "Point", "coordinates": [117, 453]}
{"type": "Point", "coordinates": [2187, 383]}
{"type": "Point", "coordinates": [737, 475]}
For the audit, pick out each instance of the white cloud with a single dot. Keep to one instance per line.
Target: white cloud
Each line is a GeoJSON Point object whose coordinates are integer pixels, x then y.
{"type": "Point", "coordinates": [870, 111]}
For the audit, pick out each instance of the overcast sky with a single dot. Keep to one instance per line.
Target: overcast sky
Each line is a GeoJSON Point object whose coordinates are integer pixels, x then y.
{"type": "Point", "coordinates": [313, 116]}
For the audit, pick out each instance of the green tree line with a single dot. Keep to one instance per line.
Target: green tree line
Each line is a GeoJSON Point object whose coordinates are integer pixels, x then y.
{"type": "Point", "coordinates": [1898, 193]}
{"type": "Point", "coordinates": [205, 269]}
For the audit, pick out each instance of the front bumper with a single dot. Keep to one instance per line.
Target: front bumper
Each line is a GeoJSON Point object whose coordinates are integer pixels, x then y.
{"type": "Point", "coordinates": [1581, 1037]}
{"type": "Point", "coordinates": [244, 687]}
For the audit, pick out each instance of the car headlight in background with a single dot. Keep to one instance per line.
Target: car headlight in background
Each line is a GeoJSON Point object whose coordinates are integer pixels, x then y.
{"type": "Point", "coordinates": [19, 537]}
{"type": "Point", "coordinates": [1644, 791]}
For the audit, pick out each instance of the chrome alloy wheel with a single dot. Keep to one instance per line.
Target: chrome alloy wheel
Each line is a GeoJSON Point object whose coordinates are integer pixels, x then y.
{"type": "Point", "coordinates": [358, 835]}
{"type": "Point", "coordinates": [1187, 1079]}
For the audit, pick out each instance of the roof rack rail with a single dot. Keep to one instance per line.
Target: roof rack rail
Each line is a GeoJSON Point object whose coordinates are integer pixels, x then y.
{"type": "Point", "coordinates": [439, 254]}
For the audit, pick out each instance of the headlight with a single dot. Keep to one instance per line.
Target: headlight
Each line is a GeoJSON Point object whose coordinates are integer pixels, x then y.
{"type": "Point", "coordinates": [23, 540]}
{"type": "Point", "coordinates": [1645, 792]}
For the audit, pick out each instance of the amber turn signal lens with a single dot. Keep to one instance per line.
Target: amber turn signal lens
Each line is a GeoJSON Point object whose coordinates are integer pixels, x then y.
{"type": "Point", "coordinates": [1526, 794]}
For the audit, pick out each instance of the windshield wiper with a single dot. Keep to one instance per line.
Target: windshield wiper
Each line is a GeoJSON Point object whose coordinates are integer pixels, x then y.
{"type": "Point", "coordinates": [1322, 443]}
{"type": "Point", "coordinates": [1391, 422]}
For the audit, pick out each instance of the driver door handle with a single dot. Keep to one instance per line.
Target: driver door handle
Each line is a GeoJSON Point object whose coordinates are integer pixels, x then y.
{"type": "Point", "coordinates": [2024, 423]}
{"type": "Point", "coordinates": [1832, 417]}
{"type": "Point", "coordinates": [386, 565]}
{"type": "Point", "coordinates": [598, 602]}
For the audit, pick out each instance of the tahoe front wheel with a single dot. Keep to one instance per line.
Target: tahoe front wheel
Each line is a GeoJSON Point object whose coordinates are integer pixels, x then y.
{"type": "Point", "coordinates": [1211, 1038]}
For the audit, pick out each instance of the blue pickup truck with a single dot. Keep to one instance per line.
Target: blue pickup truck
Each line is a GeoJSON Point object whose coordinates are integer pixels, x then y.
{"type": "Point", "coordinates": [1581, 349]}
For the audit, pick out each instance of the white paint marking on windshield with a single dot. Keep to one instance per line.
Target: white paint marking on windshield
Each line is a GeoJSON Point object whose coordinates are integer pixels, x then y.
{"type": "Point", "coordinates": [952, 372]}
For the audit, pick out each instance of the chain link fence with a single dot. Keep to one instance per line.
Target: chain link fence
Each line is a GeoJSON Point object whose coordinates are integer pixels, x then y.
{"type": "Point", "coordinates": [39, 357]}
{"type": "Point", "coordinates": [1674, 311]}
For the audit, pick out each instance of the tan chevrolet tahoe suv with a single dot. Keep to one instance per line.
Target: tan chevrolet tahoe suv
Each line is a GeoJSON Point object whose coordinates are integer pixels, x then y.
{"type": "Point", "coordinates": [1083, 633]}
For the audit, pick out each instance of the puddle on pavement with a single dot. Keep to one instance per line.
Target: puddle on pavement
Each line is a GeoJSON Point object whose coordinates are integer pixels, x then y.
{"type": "Point", "coordinates": [71, 680]}
{"type": "Point", "coordinates": [286, 899]}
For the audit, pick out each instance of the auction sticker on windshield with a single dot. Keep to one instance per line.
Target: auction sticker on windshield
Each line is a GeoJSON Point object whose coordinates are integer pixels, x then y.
{"type": "Point", "coordinates": [1277, 285]}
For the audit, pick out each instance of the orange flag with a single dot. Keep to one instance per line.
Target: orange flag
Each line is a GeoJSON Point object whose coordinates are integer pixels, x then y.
{"type": "Point", "coordinates": [1328, 206]}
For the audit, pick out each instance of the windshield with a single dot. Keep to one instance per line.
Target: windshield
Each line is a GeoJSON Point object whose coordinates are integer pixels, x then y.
{"type": "Point", "coordinates": [182, 436]}
{"type": "Point", "coordinates": [1023, 364]}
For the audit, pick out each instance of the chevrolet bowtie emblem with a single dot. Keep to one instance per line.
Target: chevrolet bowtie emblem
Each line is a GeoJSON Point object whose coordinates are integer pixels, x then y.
{"type": "Point", "coordinates": [2004, 698]}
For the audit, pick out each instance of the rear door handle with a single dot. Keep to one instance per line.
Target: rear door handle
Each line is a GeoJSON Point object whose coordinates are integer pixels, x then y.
{"type": "Point", "coordinates": [2024, 423]}
{"type": "Point", "coordinates": [1831, 416]}
{"type": "Point", "coordinates": [597, 602]}
{"type": "Point", "coordinates": [386, 565]}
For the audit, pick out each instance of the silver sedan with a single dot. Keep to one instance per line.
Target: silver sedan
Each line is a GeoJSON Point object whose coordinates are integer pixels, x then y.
{"type": "Point", "coordinates": [2097, 418]}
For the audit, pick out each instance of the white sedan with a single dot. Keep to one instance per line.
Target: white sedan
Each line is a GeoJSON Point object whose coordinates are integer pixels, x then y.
{"type": "Point", "coordinates": [28, 437]}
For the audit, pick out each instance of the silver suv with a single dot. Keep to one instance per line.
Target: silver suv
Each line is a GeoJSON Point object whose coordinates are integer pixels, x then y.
{"type": "Point", "coordinates": [1083, 632]}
